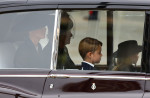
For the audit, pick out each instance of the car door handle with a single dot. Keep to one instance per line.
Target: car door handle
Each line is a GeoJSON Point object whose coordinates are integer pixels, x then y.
{"type": "Point", "coordinates": [59, 76]}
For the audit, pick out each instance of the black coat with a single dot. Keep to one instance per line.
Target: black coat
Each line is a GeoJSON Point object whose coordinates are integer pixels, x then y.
{"type": "Point", "coordinates": [64, 61]}
{"type": "Point", "coordinates": [28, 57]}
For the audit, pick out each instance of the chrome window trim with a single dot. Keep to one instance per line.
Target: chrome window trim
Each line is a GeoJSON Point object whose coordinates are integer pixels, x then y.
{"type": "Point", "coordinates": [114, 77]}
{"type": "Point", "coordinates": [99, 76]}
{"type": "Point", "coordinates": [55, 41]}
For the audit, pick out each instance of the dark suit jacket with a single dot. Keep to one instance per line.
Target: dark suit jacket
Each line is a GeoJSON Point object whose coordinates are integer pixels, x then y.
{"type": "Point", "coordinates": [86, 66]}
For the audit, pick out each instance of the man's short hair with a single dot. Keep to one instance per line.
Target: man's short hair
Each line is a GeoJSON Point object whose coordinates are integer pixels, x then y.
{"type": "Point", "coordinates": [88, 45]}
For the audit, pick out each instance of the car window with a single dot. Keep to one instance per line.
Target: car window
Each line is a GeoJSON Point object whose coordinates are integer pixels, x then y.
{"type": "Point", "coordinates": [101, 40]}
{"type": "Point", "coordinates": [25, 39]}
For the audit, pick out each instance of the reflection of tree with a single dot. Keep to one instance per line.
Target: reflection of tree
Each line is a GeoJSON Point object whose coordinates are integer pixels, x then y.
{"type": "Point", "coordinates": [102, 86]}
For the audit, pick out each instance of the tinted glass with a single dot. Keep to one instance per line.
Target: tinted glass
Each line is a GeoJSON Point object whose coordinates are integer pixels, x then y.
{"type": "Point", "coordinates": [25, 39]}
{"type": "Point", "coordinates": [93, 37]}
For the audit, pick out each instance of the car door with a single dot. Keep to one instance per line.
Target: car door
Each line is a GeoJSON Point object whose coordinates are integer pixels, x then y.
{"type": "Point", "coordinates": [147, 94]}
{"type": "Point", "coordinates": [66, 84]}
{"type": "Point", "coordinates": [13, 1]}
{"type": "Point", "coordinates": [23, 72]}
{"type": "Point", "coordinates": [111, 28]}
{"type": "Point", "coordinates": [146, 91]}
{"type": "Point", "coordinates": [15, 83]}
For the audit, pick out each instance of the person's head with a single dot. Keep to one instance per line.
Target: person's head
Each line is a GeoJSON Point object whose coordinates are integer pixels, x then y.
{"type": "Point", "coordinates": [128, 52]}
{"type": "Point", "coordinates": [90, 50]}
{"type": "Point", "coordinates": [38, 33]}
{"type": "Point", "coordinates": [65, 29]}
{"type": "Point", "coordinates": [33, 23]}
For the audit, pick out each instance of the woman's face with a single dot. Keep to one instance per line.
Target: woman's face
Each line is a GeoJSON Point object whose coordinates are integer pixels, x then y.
{"type": "Point", "coordinates": [65, 38]}
{"type": "Point", "coordinates": [135, 58]}
{"type": "Point", "coordinates": [68, 37]}
{"type": "Point", "coordinates": [65, 32]}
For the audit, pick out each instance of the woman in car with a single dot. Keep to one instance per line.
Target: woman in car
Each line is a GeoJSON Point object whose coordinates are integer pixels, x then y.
{"type": "Point", "coordinates": [127, 56]}
{"type": "Point", "coordinates": [64, 61]}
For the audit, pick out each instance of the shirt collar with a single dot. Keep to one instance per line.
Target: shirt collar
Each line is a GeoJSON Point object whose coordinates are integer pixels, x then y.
{"type": "Point", "coordinates": [89, 63]}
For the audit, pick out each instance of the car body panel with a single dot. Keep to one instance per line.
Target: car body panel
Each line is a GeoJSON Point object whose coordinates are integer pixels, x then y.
{"type": "Point", "coordinates": [147, 87]}
{"type": "Point", "coordinates": [103, 4]}
{"type": "Point", "coordinates": [25, 7]}
{"type": "Point", "coordinates": [22, 82]}
{"type": "Point", "coordinates": [107, 84]}
{"type": "Point", "coordinates": [89, 2]}
{"type": "Point", "coordinates": [12, 2]}
{"type": "Point", "coordinates": [105, 7]}
{"type": "Point", "coordinates": [12, 5]}
{"type": "Point", "coordinates": [6, 3]}
{"type": "Point", "coordinates": [78, 2]}
{"type": "Point", "coordinates": [34, 83]}
{"type": "Point", "coordinates": [44, 1]}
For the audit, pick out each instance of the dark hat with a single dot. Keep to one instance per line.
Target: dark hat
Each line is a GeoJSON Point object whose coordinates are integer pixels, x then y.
{"type": "Point", "coordinates": [66, 23]}
{"type": "Point", "coordinates": [30, 21]}
{"type": "Point", "coordinates": [127, 48]}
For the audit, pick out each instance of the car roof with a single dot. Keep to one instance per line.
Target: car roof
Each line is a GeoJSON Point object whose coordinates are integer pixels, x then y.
{"type": "Point", "coordinates": [82, 2]}
{"type": "Point", "coordinates": [12, 1]}
{"type": "Point", "coordinates": [8, 5]}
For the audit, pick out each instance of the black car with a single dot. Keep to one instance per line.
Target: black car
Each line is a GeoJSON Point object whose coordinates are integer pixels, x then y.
{"type": "Point", "coordinates": [74, 49]}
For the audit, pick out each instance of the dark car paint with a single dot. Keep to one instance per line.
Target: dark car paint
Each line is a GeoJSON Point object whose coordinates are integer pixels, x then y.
{"type": "Point", "coordinates": [22, 82]}
{"type": "Point", "coordinates": [147, 87]}
{"type": "Point", "coordinates": [81, 87]}
{"type": "Point", "coordinates": [16, 5]}
{"type": "Point", "coordinates": [9, 3]}
{"type": "Point", "coordinates": [78, 2]}
{"type": "Point", "coordinates": [12, 2]}
{"type": "Point", "coordinates": [91, 2]}
{"type": "Point", "coordinates": [71, 87]}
